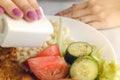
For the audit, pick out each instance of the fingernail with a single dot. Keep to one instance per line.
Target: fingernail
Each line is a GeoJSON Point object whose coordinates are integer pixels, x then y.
{"type": "Point", "coordinates": [17, 12]}
{"type": "Point", "coordinates": [57, 14]}
{"type": "Point", "coordinates": [32, 15]}
{"type": "Point", "coordinates": [73, 4]}
{"type": "Point", "coordinates": [39, 13]}
{"type": "Point", "coordinates": [1, 10]}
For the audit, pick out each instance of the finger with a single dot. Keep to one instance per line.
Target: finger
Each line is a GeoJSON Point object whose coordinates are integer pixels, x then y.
{"type": "Point", "coordinates": [80, 5]}
{"type": "Point", "coordinates": [73, 8]}
{"type": "Point", "coordinates": [96, 9]}
{"type": "Point", "coordinates": [35, 5]}
{"type": "Point", "coordinates": [29, 12]}
{"type": "Point", "coordinates": [91, 2]}
{"type": "Point", "coordinates": [90, 18]}
{"type": "Point", "coordinates": [78, 13]}
{"type": "Point", "coordinates": [99, 25]}
{"type": "Point", "coordinates": [1, 10]}
{"type": "Point", "coordinates": [64, 11]}
{"type": "Point", "coordinates": [11, 9]}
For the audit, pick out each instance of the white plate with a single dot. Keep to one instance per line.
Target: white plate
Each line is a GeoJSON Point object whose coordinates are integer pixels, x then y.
{"type": "Point", "coordinates": [83, 32]}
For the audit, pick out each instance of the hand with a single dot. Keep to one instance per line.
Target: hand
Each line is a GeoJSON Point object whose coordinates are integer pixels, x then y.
{"type": "Point", "coordinates": [27, 9]}
{"type": "Point", "coordinates": [100, 14]}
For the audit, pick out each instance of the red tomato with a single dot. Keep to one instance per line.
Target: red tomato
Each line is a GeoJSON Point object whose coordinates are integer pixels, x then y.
{"type": "Point", "coordinates": [66, 79]}
{"type": "Point", "coordinates": [48, 67]}
{"type": "Point", "coordinates": [50, 51]}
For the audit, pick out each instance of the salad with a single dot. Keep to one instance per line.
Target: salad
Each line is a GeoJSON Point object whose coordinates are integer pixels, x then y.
{"type": "Point", "coordinates": [80, 62]}
{"type": "Point", "coordinates": [72, 60]}
{"type": "Point", "coordinates": [59, 58]}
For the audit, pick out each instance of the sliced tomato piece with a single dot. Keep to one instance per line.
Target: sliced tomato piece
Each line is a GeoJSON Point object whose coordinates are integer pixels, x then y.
{"type": "Point", "coordinates": [48, 67]}
{"type": "Point", "coordinates": [52, 50]}
{"type": "Point", "coordinates": [66, 79]}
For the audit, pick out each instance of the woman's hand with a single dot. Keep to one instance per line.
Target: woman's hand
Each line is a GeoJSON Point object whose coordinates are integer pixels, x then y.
{"type": "Point", "coordinates": [100, 14]}
{"type": "Point", "coordinates": [27, 9]}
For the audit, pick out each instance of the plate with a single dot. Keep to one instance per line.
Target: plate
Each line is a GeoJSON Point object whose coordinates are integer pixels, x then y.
{"type": "Point", "coordinates": [83, 32]}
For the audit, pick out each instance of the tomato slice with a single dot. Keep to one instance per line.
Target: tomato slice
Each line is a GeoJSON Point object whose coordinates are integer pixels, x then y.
{"type": "Point", "coordinates": [48, 67]}
{"type": "Point", "coordinates": [52, 50]}
{"type": "Point", "coordinates": [66, 79]}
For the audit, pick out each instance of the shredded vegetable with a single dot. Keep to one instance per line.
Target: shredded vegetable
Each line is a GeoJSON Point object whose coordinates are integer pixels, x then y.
{"type": "Point", "coordinates": [60, 38]}
{"type": "Point", "coordinates": [108, 70]}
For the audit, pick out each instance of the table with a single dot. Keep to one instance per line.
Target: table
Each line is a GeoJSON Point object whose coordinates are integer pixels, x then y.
{"type": "Point", "coordinates": [50, 7]}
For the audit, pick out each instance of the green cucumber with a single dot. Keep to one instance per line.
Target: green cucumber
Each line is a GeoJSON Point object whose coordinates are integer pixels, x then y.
{"type": "Point", "coordinates": [85, 68]}
{"type": "Point", "coordinates": [77, 49]}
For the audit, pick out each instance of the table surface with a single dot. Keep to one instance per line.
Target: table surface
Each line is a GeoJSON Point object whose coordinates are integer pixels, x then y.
{"type": "Point", "coordinates": [51, 7]}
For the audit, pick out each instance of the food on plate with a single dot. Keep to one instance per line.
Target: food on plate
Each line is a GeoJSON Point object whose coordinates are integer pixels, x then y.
{"type": "Point", "coordinates": [9, 66]}
{"type": "Point", "coordinates": [49, 67]}
{"type": "Point", "coordinates": [52, 62]}
{"type": "Point", "coordinates": [84, 68]}
{"type": "Point", "coordinates": [53, 50]}
{"type": "Point", "coordinates": [93, 66]}
{"type": "Point", "coordinates": [77, 49]}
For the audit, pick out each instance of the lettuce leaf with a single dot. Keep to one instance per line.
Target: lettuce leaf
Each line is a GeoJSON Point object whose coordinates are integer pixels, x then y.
{"type": "Point", "coordinates": [107, 70]}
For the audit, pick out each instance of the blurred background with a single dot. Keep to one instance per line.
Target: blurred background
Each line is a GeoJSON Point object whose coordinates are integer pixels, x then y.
{"type": "Point", "coordinates": [51, 7]}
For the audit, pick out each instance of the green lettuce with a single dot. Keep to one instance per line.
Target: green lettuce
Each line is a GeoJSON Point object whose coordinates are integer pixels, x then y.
{"type": "Point", "coordinates": [107, 70]}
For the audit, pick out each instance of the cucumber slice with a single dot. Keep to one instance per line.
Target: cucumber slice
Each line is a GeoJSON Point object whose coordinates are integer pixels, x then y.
{"type": "Point", "coordinates": [77, 49]}
{"type": "Point", "coordinates": [85, 68]}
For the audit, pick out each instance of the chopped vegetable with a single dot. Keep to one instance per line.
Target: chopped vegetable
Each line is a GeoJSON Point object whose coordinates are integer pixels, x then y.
{"type": "Point", "coordinates": [60, 39]}
{"type": "Point", "coordinates": [67, 79]}
{"type": "Point", "coordinates": [85, 59]}
{"type": "Point", "coordinates": [77, 49]}
{"type": "Point", "coordinates": [52, 50]}
{"type": "Point", "coordinates": [48, 67]}
{"type": "Point", "coordinates": [109, 71]}
{"type": "Point", "coordinates": [85, 68]}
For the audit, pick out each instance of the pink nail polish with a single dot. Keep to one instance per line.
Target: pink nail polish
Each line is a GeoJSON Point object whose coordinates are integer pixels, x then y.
{"type": "Point", "coordinates": [39, 13]}
{"type": "Point", "coordinates": [32, 15]}
{"type": "Point", "coordinates": [1, 10]}
{"type": "Point", "coordinates": [17, 12]}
